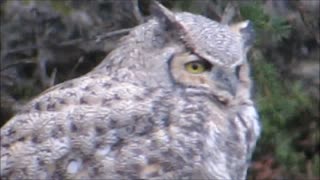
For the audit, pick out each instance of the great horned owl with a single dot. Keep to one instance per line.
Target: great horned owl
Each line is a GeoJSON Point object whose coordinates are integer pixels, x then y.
{"type": "Point", "coordinates": [171, 102]}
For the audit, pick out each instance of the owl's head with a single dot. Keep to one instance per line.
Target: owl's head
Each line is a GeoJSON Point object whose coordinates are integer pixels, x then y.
{"type": "Point", "coordinates": [214, 56]}
{"type": "Point", "coordinates": [200, 55]}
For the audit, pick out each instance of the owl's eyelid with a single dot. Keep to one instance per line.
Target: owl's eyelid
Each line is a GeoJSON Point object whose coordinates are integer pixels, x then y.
{"type": "Point", "coordinates": [207, 65]}
{"type": "Point", "coordinates": [193, 57]}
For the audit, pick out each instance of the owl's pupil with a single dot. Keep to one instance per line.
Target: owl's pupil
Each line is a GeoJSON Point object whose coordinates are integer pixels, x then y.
{"type": "Point", "coordinates": [195, 66]}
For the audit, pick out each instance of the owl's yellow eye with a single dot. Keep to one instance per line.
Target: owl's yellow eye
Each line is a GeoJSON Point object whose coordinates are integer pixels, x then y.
{"type": "Point", "coordinates": [195, 67]}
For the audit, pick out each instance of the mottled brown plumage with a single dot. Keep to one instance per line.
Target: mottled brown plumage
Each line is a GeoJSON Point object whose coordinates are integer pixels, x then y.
{"type": "Point", "coordinates": [171, 102]}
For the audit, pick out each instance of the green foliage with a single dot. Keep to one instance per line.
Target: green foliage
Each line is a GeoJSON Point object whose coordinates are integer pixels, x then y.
{"type": "Point", "coordinates": [279, 29]}
{"type": "Point", "coordinates": [271, 29]}
{"type": "Point", "coordinates": [255, 12]}
{"type": "Point", "coordinates": [187, 5]}
{"type": "Point", "coordinates": [278, 104]}
{"type": "Point", "coordinates": [26, 2]}
{"type": "Point", "coordinates": [280, 101]}
{"type": "Point", "coordinates": [61, 7]}
{"type": "Point", "coordinates": [26, 90]}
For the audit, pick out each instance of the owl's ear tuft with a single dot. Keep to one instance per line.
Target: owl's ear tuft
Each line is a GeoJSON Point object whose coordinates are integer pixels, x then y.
{"type": "Point", "coordinates": [246, 31]}
{"type": "Point", "coordinates": [166, 18]}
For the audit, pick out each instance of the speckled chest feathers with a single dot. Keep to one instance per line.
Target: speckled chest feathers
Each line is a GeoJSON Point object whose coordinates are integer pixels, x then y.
{"type": "Point", "coordinates": [171, 102]}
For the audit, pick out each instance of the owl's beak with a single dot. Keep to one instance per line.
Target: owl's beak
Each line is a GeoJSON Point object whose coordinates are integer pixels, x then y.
{"type": "Point", "coordinates": [225, 79]}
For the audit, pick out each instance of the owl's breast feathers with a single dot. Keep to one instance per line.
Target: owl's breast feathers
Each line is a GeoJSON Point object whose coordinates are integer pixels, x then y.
{"type": "Point", "coordinates": [92, 127]}
{"type": "Point", "coordinates": [75, 125]}
{"type": "Point", "coordinates": [106, 128]}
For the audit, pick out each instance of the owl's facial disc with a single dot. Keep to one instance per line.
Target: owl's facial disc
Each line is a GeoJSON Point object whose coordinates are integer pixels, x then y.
{"type": "Point", "coordinates": [224, 79]}
{"type": "Point", "coordinates": [193, 72]}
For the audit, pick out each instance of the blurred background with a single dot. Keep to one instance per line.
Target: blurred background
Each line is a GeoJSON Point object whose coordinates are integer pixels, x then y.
{"type": "Point", "coordinates": [45, 42]}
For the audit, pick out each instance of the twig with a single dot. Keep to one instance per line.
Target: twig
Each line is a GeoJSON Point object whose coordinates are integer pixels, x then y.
{"type": "Point", "coordinates": [53, 77]}
{"type": "Point", "coordinates": [80, 60]}
{"type": "Point", "coordinates": [21, 49]}
{"type": "Point", "coordinates": [72, 42]}
{"type": "Point", "coordinates": [16, 64]}
{"type": "Point", "coordinates": [12, 51]}
{"type": "Point", "coordinates": [136, 11]}
{"type": "Point", "coordinates": [97, 38]}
